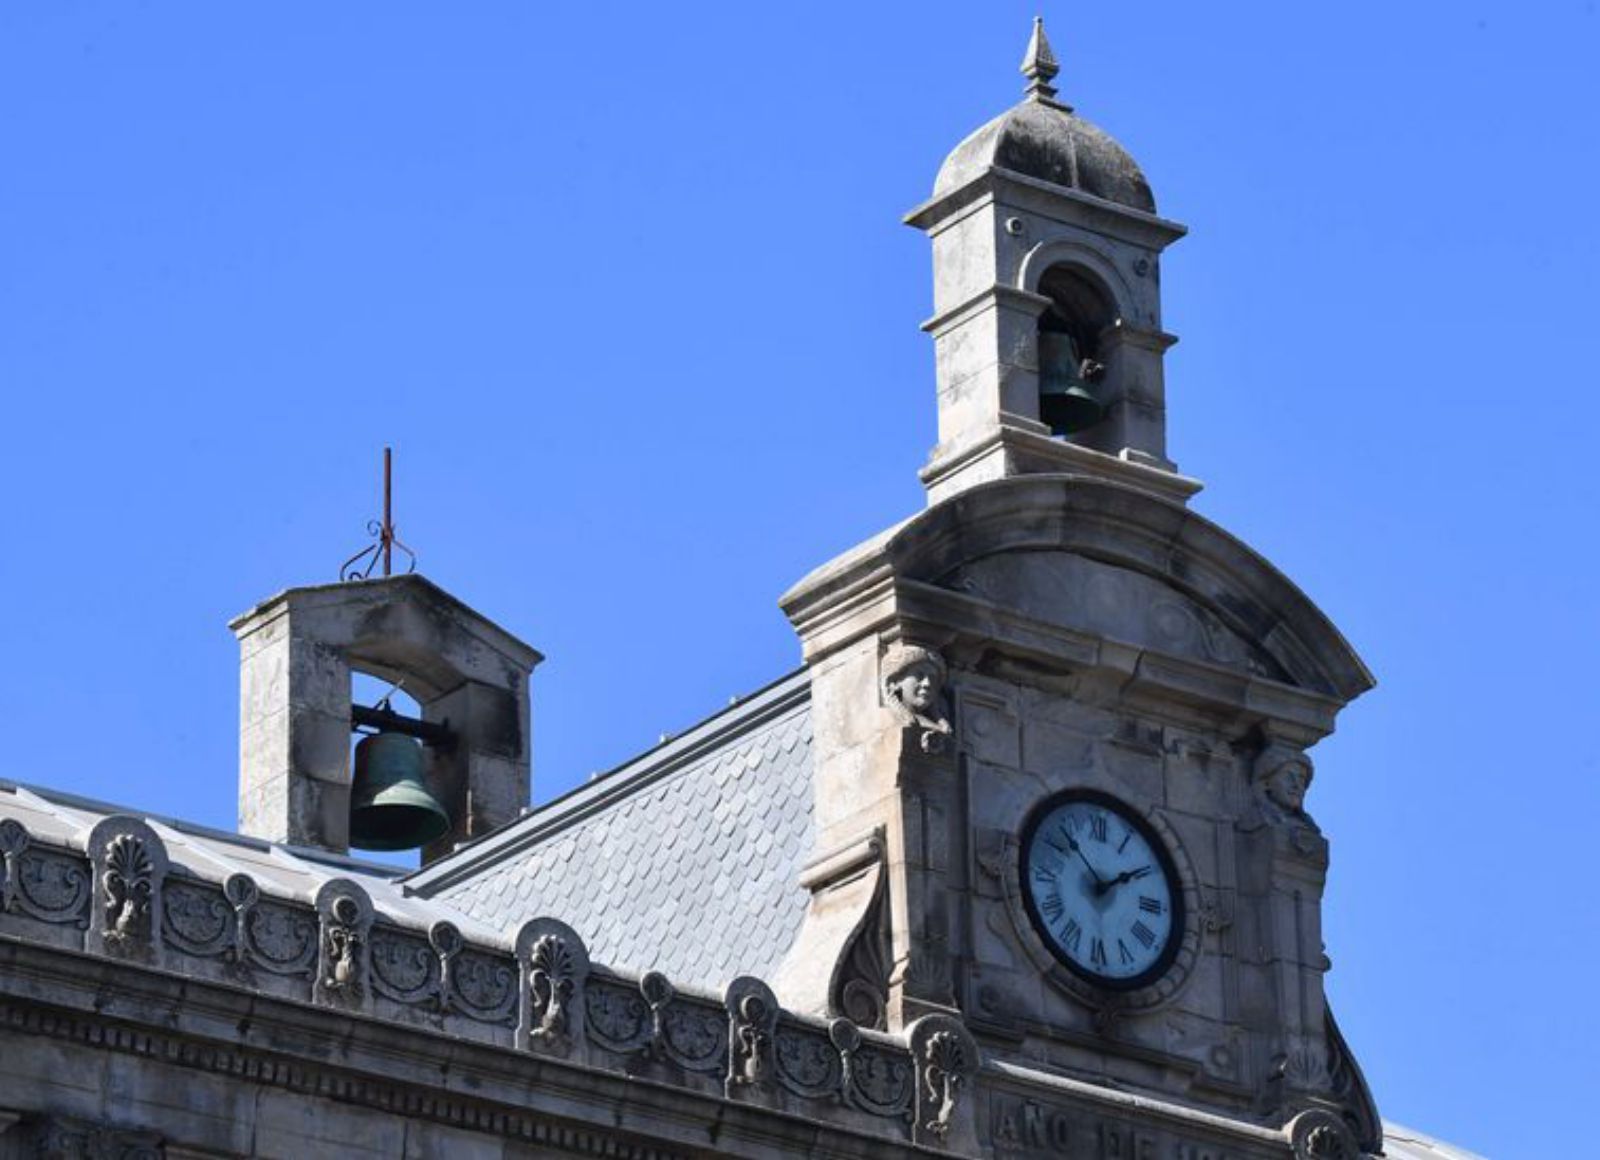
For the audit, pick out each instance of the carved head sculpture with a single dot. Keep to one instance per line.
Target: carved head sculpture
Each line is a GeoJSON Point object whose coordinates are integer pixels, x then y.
{"type": "Point", "coordinates": [1284, 776]}
{"type": "Point", "coordinates": [913, 677]}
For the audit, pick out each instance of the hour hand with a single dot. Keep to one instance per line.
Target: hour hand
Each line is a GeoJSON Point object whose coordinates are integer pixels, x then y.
{"type": "Point", "coordinates": [1126, 876]}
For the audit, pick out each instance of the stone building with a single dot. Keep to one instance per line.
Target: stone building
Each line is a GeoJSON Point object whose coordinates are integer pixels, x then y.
{"type": "Point", "coordinates": [1016, 864]}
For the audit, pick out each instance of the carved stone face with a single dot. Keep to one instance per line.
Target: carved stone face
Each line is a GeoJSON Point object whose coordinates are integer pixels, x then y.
{"type": "Point", "coordinates": [1287, 784]}
{"type": "Point", "coordinates": [917, 686]}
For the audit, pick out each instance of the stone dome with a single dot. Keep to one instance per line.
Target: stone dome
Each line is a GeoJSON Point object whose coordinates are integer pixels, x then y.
{"type": "Point", "coordinates": [1048, 141]}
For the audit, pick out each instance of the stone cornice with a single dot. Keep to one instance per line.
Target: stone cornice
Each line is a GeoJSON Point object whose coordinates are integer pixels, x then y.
{"type": "Point", "coordinates": [997, 185]}
{"type": "Point", "coordinates": [112, 1006]}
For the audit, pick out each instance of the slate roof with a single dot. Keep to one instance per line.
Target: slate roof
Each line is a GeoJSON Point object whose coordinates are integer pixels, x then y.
{"type": "Point", "coordinates": [684, 860]}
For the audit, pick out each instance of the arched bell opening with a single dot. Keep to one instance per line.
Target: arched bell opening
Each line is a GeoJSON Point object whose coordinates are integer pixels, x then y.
{"type": "Point", "coordinates": [394, 804]}
{"type": "Point", "coordinates": [1070, 368]}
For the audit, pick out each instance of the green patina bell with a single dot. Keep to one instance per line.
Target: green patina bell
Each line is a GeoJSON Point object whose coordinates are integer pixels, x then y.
{"type": "Point", "coordinates": [1066, 404]}
{"type": "Point", "coordinates": [390, 806]}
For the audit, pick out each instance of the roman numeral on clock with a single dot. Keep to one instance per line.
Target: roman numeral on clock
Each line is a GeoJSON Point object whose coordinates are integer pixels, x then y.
{"type": "Point", "coordinates": [1072, 935]}
{"type": "Point", "coordinates": [1144, 934]}
{"type": "Point", "coordinates": [1050, 904]}
{"type": "Point", "coordinates": [1097, 953]}
{"type": "Point", "coordinates": [1150, 905]}
{"type": "Point", "coordinates": [1097, 827]}
{"type": "Point", "coordinates": [1123, 952]}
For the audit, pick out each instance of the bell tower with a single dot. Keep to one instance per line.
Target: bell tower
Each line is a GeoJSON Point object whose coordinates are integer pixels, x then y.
{"type": "Point", "coordinates": [1047, 301]}
{"type": "Point", "coordinates": [466, 762]}
{"type": "Point", "coordinates": [1061, 723]}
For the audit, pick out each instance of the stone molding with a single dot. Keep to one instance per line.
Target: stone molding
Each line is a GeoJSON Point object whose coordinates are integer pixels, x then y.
{"type": "Point", "coordinates": [995, 184]}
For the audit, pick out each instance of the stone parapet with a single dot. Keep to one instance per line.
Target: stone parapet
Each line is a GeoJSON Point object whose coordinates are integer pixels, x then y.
{"type": "Point", "coordinates": [526, 1048]}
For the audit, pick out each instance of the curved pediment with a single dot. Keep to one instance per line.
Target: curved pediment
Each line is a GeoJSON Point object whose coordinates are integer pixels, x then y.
{"type": "Point", "coordinates": [1106, 600]}
{"type": "Point", "coordinates": [1118, 562]}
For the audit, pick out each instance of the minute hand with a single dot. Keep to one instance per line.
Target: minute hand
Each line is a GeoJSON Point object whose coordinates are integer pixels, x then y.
{"type": "Point", "coordinates": [1100, 883]}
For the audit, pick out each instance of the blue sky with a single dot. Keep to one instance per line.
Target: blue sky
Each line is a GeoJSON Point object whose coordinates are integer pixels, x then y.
{"type": "Point", "coordinates": [629, 296]}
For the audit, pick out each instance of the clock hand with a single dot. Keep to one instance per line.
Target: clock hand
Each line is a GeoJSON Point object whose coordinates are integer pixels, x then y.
{"type": "Point", "coordinates": [1072, 844]}
{"type": "Point", "coordinates": [1125, 876]}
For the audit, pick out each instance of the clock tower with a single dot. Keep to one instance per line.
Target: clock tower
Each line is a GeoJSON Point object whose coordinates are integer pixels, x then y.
{"type": "Point", "coordinates": [1062, 723]}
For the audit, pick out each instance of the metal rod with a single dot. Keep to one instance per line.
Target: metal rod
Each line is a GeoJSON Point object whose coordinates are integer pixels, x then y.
{"type": "Point", "coordinates": [388, 514]}
{"type": "Point", "coordinates": [435, 733]}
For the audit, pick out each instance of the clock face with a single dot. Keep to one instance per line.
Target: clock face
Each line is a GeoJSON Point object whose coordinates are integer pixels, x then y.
{"type": "Point", "coordinates": [1101, 891]}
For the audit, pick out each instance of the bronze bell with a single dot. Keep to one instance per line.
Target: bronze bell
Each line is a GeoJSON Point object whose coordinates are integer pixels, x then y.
{"type": "Point", "coordinates": [1065, 402]}
{"type": "Point", "coordinates": [390, 805]}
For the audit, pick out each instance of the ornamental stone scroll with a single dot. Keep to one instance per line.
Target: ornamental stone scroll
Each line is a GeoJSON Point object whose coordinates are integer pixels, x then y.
{"type": "Point", "coordinates": [946, 1059]}
{"type": "Point", "coordinates": [129, 864]}
{"type": "Point", "coordinates": [553, 967]}
{"type": "Point", "coordinates": [344, 914]}
{"type": "Point", "coordinates": [752, 1032]}
{"type": "Point", "coordinates": [14, 839]}
{"type": "Point", "coordinates": [1320, 1134]}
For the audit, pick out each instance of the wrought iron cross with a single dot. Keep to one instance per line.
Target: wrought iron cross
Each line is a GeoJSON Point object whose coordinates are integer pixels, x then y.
{"type": "Point", "coordinates": [360, 566]}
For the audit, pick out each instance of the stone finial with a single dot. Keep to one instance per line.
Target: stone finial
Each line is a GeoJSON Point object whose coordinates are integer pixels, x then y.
{"type": "Point", "coordinates": [1039, 65]}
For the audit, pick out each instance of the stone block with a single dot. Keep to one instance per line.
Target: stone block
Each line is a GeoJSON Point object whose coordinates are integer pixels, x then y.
{"type": "Point", "coordinates": [425, 1141]}
{"type": "Point", "coordinates": [847, 701]}
{"type": "Point", "coordinates": [990, 730]}
{"type": "Point", "coordinates": [291, 1126]}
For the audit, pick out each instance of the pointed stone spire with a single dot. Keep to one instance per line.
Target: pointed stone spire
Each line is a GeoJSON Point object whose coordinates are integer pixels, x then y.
{"type": "Point", "coordinates": [1039, 65]}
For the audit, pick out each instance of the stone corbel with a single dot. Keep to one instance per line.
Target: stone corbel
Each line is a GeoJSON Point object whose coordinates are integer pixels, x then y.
{"type": "Point", "coordinates": [945, 1057]}
{"type": "Point", "coordinates": [129, 864]}
{"type": "Point", "coordinates": [344, 915]}
{"type": "Point", "coordinates": [554, 966]}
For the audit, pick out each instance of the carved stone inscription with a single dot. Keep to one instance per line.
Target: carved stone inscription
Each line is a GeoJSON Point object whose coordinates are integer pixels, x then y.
{"type": "Point", "coordinates": [1027, 1128]}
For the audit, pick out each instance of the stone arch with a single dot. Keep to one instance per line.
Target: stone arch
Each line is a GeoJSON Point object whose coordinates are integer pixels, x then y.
{"type": "Point", "coordinates": [1046, 256]}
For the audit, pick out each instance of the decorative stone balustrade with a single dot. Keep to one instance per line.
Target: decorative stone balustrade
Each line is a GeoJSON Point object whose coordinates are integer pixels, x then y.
{"type": "Point", "coordinates": [534, 991]}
